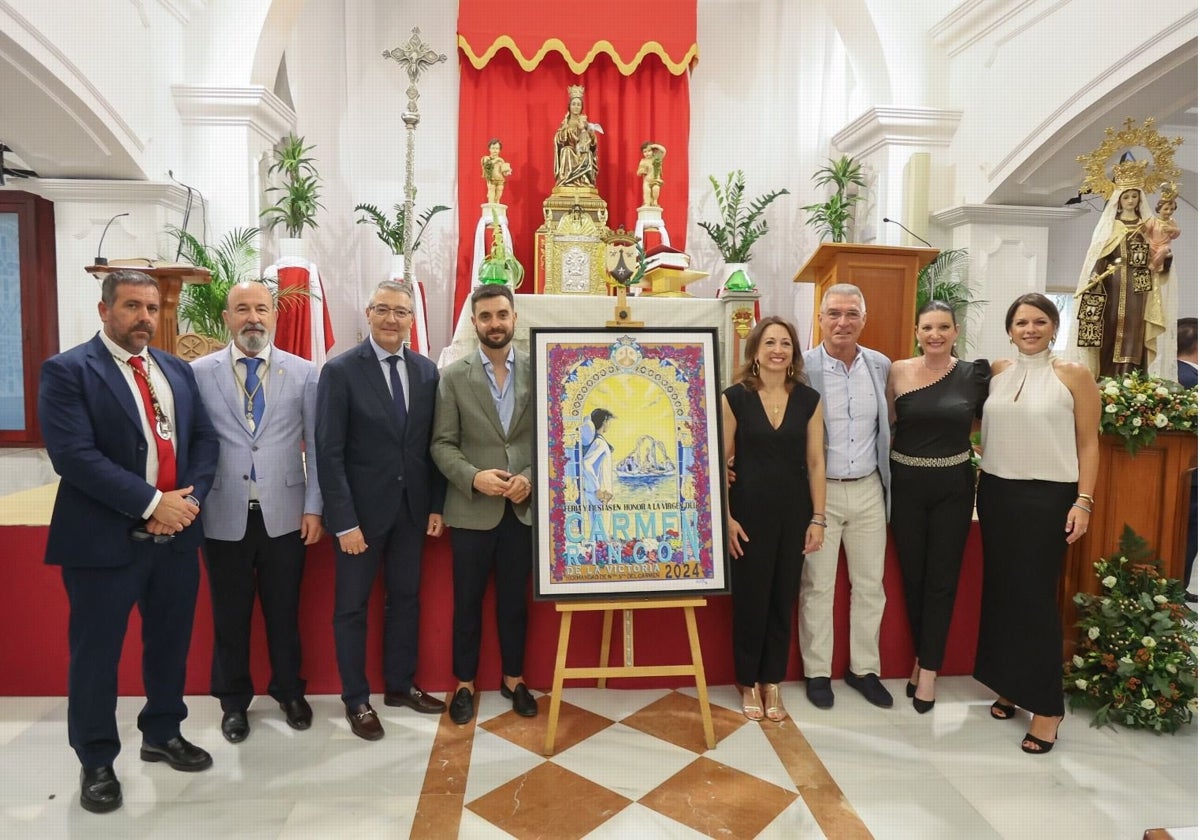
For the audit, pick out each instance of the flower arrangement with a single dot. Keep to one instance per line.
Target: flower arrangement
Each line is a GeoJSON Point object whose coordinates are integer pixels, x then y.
{"type": "Point", "coordinates": [1137, 407]}
{"type": "Point", "coordinates": [1136, 661]}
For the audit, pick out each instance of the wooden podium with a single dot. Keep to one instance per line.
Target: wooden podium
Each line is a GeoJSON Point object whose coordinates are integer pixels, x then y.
{"type": "Point", "coordinates": [1150, 492]}
{"type": "Point", "coordinates": [887, 275]}
{"type": "Point", "coordinates": [170, 278]}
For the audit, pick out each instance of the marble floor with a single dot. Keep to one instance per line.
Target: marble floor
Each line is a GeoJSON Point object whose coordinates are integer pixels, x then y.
{"type": "Point", "coordinates": [628, 764]}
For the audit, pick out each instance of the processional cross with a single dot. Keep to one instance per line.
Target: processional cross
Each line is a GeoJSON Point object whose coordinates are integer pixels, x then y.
{"type": "Point", "coordinates": [415, 57]}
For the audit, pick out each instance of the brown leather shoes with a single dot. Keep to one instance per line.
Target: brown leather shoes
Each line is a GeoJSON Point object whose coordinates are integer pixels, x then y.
{"type": "Point", "coordinates": [364, 722]}
{"type": "Point", "coordinates": [415, 699]}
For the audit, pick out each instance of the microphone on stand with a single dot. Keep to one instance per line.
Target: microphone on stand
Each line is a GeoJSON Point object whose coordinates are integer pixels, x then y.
{"type": "Point", "coordinates": [100, 248]}
{"type": "Point", "coordinates": [927, 243]}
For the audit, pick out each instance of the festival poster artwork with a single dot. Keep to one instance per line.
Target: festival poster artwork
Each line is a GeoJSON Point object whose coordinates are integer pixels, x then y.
{"type": "Point", "coordinates": [628, 495]}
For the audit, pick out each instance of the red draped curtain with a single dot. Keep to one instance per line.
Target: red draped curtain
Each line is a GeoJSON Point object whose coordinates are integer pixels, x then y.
{"type": "Point", "coordinates": [516, 60]}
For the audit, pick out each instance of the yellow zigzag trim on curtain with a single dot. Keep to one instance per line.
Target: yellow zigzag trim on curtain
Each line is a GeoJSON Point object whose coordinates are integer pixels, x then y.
{"type": "Point", "coordinates": [555, 45]}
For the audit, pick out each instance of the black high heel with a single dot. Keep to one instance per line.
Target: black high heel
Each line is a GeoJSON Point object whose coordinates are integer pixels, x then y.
{"type": "Point", "coordinates": [1003, 711]}
{"type": "Point", "coordinates": [922, 706]}
{"type": "Point", "coordinates": [910, 690]}
{"type": "Point", "coordinates": [1039, 747]}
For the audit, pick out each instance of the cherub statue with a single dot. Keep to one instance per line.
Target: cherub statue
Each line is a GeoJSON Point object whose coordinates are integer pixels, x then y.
{"type": "Point", "coordinates": [649, 169]}
{"type": "Point", "coordinates": [495, 170]}
{"type": "Point", "coordinates": [1161, 229]}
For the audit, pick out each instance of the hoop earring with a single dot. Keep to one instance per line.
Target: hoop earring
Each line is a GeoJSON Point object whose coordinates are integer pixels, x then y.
{"type": "Point", "coordinates": [791, 372]}
{"type": "Point", "coordinates": [754, 368]}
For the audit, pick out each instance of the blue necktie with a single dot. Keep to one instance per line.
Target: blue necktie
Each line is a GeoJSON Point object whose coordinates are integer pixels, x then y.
{"type": "Point", "coordinates": [256, 400]}
{"type": "Point", "coordinates": [398, 394]}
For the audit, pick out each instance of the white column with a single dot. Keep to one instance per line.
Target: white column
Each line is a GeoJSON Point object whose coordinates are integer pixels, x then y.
{"type": "Point", "coordinates": [228, 134]}
{"type": "Point", "coordinates": [883, 140]}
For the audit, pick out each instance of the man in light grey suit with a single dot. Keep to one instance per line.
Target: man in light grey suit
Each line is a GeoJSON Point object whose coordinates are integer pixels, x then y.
{"type": "Point", "coordinates": [264, 508]}
{"type": "Point", "coordinates": [482, 442]}
{"type": "Point", "coordinates": [852, 382]}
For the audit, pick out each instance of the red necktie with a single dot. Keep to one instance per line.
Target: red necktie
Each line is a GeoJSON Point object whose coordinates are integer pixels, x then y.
{"type": "Point", "coordinates": [166, 452]}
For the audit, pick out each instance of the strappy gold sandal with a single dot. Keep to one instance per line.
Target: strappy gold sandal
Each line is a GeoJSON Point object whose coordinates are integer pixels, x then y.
{"type": "Point", "coordinates": [751, 704]}
{"type": "Point", "coordinates": [775, 710]}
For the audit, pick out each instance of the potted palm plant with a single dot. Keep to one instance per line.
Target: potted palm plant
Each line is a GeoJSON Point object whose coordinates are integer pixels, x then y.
{"type": "Point", "coordinates": [298, 190]}
{"type": "Point", "coordinates": [741, 225]}
{"type": "Point", "coordinates": [232, 260]}
{"type": "Point", "coordinates": [390, 230]}
{"type": "Point", "coordinates": [833, 217]}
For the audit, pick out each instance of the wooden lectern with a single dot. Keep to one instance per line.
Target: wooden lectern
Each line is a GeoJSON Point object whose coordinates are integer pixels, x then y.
{"type": "Point", "coordinates": [887, 275]}
{"type": "Point", "coordinates": [170, 277]}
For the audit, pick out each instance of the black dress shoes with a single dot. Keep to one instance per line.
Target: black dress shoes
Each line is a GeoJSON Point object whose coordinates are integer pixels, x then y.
{"type": "Point", "coordinates": [180, 753]}
{"type": "Point", "coordinates": [234, 726]}
{"type": "Point", "coordinates": [522, 700]}
{"type": "Point", "coordinates": [462, 707]}
{"type": "Point", "coordinates": [415, 699]}
{"type": "Point", "coordinates": [298, 713]}
{"type": "Point", "coordinates": [869, 686]}
{"type": "Point", "coordinates": [99, 790]}
{"type": "Point", "coordinates": [364, 722]}
{"type": "Point", "coordinates": [819, 691]}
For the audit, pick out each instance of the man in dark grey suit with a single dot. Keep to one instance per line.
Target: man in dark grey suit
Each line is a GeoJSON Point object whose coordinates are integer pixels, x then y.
{"type": "Point", "coordinates": [126, 430]}
{"type": "Point", "coordinates": [382, 496]}
{"type": "Point", "coordinates": [264, 510]}
{"type": "Point", "coordinates": [482, 442]}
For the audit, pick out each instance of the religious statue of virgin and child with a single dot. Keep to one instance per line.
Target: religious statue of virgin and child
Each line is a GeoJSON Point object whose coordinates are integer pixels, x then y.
{"type": "Point", "coordinates": [1127, 295]}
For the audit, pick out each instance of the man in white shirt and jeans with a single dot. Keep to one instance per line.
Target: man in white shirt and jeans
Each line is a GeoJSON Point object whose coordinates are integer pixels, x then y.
{"type": "Point", "coordinates": [851, 380]}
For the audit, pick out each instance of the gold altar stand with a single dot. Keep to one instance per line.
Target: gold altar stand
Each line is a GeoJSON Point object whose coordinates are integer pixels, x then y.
{"type": "Point", "coordinates": [569, 246]}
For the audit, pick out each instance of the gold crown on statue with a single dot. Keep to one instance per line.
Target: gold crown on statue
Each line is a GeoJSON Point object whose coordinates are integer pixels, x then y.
{"type": "Point", "coordinates": [1169, 192]}
{"type": "Point", "coordinates": [574, 92]}
{"type": "Point", "coordinates": [1130, 174]}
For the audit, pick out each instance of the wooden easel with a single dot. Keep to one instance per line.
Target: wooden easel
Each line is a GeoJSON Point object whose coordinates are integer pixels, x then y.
{"type": "Point", "coordinates": [627, 668]}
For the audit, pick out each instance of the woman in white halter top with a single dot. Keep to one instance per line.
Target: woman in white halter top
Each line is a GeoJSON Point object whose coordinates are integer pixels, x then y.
{"type": "Point", "coordinates": [1040, 458]}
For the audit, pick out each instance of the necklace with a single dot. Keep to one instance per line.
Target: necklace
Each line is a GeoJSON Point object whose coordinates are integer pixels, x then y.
{"type": "Point", "coordinates": [949, 365]}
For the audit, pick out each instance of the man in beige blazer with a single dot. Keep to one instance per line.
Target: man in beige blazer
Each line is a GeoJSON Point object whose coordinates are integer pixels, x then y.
{"type": "Point", "coordinates": [482, 441]}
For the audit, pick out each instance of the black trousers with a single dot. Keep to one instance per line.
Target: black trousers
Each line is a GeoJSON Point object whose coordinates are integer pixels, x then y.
{"type": "Point", "coordinates": [931, 516]}
{"type": "Point", "coordinates": [399, 548]}
{"type": "Point", "coordinates": [765, 584]}
{"type": "Point", "coordinates": [1020, 633]}
{"type": "Point", "coordinates": [273, 567]}
{"type": "Point", "coordinates": [163, 583]}
{"type": "Point", "coordinates": [506, 550]}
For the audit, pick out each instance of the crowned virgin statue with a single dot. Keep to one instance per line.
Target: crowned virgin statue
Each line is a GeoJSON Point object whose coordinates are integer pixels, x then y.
{"type": "Point", "coordinates": [575, 145]}
{"type": "Point", "coordinates": [1126, 298]}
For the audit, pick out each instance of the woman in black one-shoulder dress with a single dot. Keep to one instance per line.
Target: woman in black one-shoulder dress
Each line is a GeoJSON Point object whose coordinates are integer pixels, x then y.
{"type": "Point", "coordinates": [935, 399]}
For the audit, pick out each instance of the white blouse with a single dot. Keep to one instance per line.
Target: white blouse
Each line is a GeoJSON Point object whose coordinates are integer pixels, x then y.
{"type": "Point", "coordinates": [1029, 423]}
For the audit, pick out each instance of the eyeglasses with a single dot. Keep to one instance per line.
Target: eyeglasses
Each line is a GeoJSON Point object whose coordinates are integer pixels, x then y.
{"type": "Point", "coordinates": [838, 314]}
{"type": "Point", "coordinates": [384, 311]}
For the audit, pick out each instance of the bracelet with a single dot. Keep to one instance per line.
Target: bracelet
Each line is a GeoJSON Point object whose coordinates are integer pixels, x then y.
{"type": "Point", "coordinates": [1088, 510]}
{"type": "Point", "coordinates": [818, 523]}
{"type": "Point", "coordinates": [1089, 499]}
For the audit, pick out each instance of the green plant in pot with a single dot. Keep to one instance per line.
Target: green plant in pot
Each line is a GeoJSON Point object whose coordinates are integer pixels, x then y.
{"type": "Point", "coordinates": [232, 260]}
{"type": "Point", "coordinates": [298, 190]}
{"type": "Point", "coordinates": [833, 216]}
{"type": "Point", "coordinates": [390, 230]}
{"type": "Point", "coordinates": [741, 225]}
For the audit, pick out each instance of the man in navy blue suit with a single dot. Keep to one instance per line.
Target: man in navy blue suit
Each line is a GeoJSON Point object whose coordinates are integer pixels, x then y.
{"type": "Point", "coordinates": [1187, 378]}
{"type": "Point", "coordinates": [136, 453]}
{"type": "Point", "coordinates": [382, 496]}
